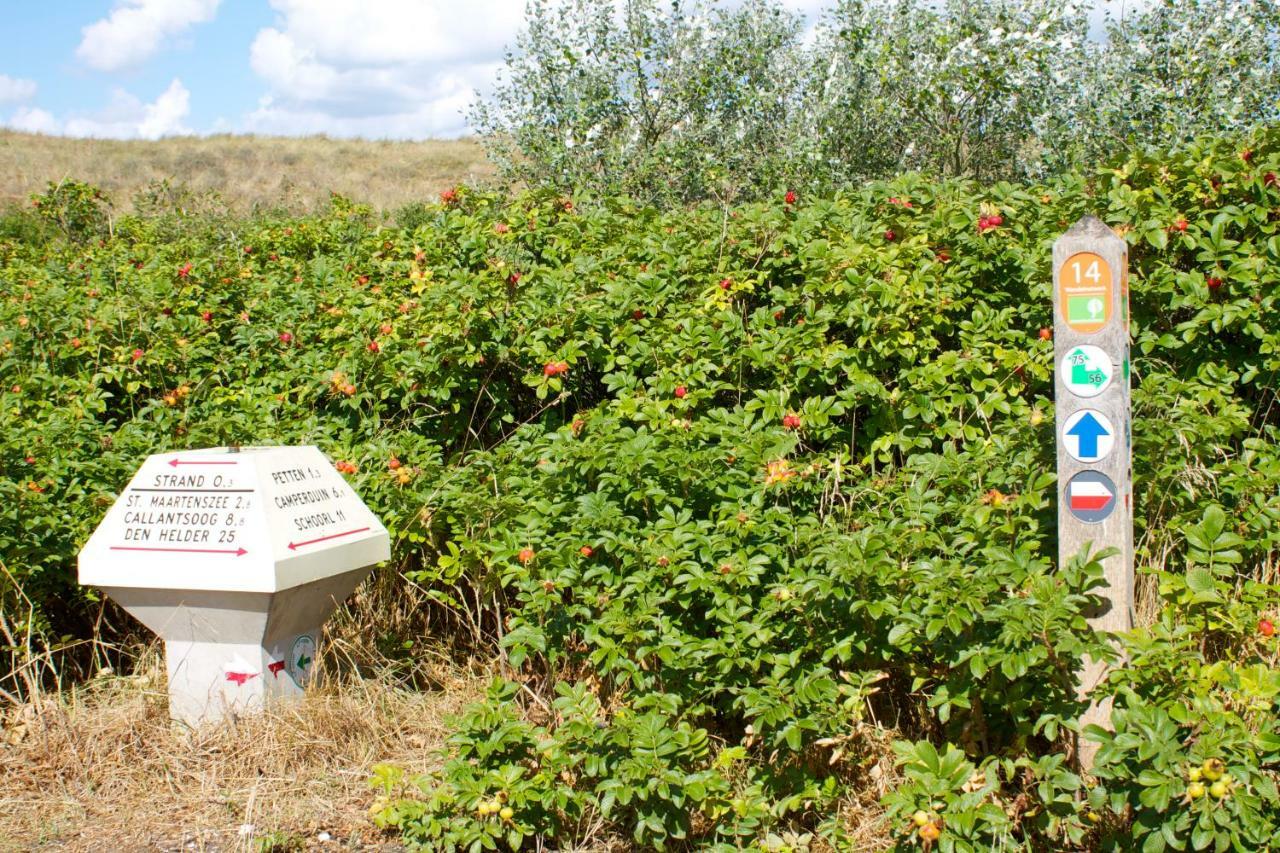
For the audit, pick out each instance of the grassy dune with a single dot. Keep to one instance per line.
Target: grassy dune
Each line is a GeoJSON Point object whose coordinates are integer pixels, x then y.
{"type": "Point", "coordinates": [245, 171]}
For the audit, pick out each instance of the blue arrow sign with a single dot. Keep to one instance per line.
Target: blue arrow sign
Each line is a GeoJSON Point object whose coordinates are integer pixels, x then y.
{"type": "Point", "coordinates": [1087, 430]}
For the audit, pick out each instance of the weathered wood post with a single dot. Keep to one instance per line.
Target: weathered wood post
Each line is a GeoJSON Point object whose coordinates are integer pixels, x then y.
{"type": "Point", "coordinates": [1095, 478]}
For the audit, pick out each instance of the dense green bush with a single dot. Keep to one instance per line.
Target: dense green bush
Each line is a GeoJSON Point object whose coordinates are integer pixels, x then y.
{"type": "Point", "coordinates": [740, 493]}
{"type": "Point", "coordinates": [76, 210]}
{"type": "Point", "coordinates": [699, 99]}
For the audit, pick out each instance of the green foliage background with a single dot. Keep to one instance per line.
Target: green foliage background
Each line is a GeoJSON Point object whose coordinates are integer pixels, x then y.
{"type": "Point", "coordinates": [761, 608]}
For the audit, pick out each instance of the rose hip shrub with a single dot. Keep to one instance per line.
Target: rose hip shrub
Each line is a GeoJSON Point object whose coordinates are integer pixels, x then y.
{"type": "Point", "coordinates": [717, 608]}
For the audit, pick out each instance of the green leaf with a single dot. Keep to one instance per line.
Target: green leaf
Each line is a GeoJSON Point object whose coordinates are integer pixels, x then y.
{"type": "Point", "coordinates": [1201, 580]}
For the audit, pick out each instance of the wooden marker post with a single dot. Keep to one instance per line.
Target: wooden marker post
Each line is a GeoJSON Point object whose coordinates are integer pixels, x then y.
{"type": "Point", "coordinates": [1094, 435]}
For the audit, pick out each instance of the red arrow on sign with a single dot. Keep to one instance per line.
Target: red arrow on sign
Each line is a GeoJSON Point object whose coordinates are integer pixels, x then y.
{"type": "Point", "coordinates": [293, 546]}
{"type": "Point", "coordinates": [174, 463]}
{"type": "Point", "coordinates": [239, 552]}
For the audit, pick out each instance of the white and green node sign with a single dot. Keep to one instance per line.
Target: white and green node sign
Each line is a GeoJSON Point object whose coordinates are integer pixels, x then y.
{"type": "Point", "coordinates": [1086, 370]}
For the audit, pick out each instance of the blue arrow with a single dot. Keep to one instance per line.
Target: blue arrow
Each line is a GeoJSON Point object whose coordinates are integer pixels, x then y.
{"type": "Point", "coordinates": [1088, 431]}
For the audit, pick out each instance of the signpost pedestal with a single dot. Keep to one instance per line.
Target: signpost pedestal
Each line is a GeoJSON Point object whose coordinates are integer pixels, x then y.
{"type": "Point", "coordinates": [235, 558]}
{"type": "Point", "coordinates": [1091, 350]}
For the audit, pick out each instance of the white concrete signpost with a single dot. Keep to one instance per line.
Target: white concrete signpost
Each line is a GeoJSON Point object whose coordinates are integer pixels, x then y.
{"type": "Point", "coordinates": [235, 557]}
{"type": "Point", "coordinates": [1095, 481]}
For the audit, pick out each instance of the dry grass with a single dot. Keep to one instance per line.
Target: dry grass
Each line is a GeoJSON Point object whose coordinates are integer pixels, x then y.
{"type": "Point", "coordinates": [102, 768]}
{"type": "Point", "coordinates": [247, 171]}
{"type": "Point", "coordinates": [97, 764]}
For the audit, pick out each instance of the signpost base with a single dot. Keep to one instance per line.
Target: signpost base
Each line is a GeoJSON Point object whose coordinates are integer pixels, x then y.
{"type": "Point", "coordinates": [1098, 713]}
{"type": "Point", "coordinates": [232, 652]}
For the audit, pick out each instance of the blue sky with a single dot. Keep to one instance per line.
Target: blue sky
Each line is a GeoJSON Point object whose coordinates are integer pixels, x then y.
{"type": "Point", "coordinates": [40, 44]}
{"type": "Point", "coordinates": [150, 68]}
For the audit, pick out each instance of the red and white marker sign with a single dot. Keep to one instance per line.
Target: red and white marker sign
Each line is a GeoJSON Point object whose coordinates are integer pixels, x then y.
{"type": "Point", "coordinates": [1091, 496]}
{"type": "Point", "coordinates": [239, 671]}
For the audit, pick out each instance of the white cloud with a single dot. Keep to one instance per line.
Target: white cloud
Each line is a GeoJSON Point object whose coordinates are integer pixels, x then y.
{"type": "Point", "coordinates": [382, 68]}
{"type": "Point", "coordinates": [124, 117]}
{"type": "Point", "coordinates": [440, 115]}
{"type": "Point", "coordinates": [33, 120]}
{"type": "Point", "coordinates": [136, 29]}
{"type": "Point", "coordinates": [395, 32]}
{"type": "Point", "coordinates": [15, 90]}
{"type": "Point", "coordinates": [164, 115]}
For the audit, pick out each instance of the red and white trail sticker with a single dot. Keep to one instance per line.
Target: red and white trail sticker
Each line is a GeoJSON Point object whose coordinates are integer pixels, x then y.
{"type": "Point", "coordinates": [1091, 496]}
{"type": "Point", "coordinates": [239, 671]}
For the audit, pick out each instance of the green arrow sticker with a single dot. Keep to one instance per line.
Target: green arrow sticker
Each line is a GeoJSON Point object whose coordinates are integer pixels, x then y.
{"type": "Point", "coordinates": [1086, 370]}
{"type": "Point", "coordinates": [302, 655]}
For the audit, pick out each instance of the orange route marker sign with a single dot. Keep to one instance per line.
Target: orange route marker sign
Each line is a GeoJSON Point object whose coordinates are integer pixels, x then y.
{"type": "Point", "coordinates": [1084, 293]}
